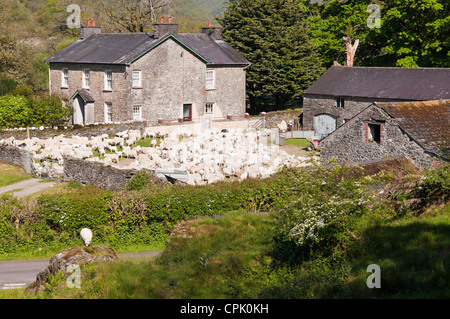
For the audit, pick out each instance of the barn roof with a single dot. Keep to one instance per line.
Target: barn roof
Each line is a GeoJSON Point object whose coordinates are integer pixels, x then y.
{"type": "Point", "coordinates": [125, 48]}
{"type": "Point", "coordinates": [425, 122]}
{"type": "Point", "coordinates": [402, 84]}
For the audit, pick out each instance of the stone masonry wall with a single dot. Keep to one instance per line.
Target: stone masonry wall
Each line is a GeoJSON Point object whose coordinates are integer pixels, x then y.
{"type": "Point", "coordinates": [117, 96]}
{"type": "Point", "coordinates": [229, 96]}
{"type": "Point", "coordinates": [349, 143]}
{"type": "Point", "coordinates": [275, 118]}
{"type": "Point", "coordinates": [171, 77]}
{"type": "Point", "coordinates": [85, 172]}
{"type": "Point", "coordinates": [14, 156]}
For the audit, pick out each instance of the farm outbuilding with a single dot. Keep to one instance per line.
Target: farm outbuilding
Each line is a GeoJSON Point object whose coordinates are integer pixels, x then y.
{"type": "Point", "coordinates": [418, 131]}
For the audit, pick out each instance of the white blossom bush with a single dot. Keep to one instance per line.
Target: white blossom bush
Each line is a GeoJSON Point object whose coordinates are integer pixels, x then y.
{"type": "Point", "coordinates": [318, 222]}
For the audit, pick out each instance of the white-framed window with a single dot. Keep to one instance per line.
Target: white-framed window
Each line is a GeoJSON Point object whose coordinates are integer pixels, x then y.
{"type": "Point", "coordinates": [86, 79]}
{"type": "Point", "coordinates": [137, 112]}
{"type": "Point", "coordinates": [210, 79]}
{"type": "Point", "coordinates": [209, 109]}
{"type": "Point", "coordinates": [137, 78]}
{"type": "Point", "coordinates": [65, 78]}
{"type": "Point", "coordinates": [108, 112]}
{"type": "Point", "coordinates": [108, 80]}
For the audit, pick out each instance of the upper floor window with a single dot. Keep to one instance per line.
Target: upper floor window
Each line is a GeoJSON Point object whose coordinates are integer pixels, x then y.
{"type": "Point", "coordinates": [340, 102]}
{"type": "Point", "coordinates": [108, 80]}
{"type": "Point", "coordinates": [210, 79]}
{"type": "Point", "coordinates": [65, 78]}
{"type": "Point", "coordinates": [374, 133]}
{"type": "Point", "coordinates": [86, 79]}
{"type": "Point", "coordinates": [137, 78]}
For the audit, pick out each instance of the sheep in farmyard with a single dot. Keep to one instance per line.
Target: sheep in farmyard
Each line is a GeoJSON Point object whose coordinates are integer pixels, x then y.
{"type": "Point", "coordinates": [86, 236]}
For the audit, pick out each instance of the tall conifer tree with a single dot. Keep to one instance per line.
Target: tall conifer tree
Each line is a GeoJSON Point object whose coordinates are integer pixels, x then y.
{"type": "Point", "coordinates": [273, 36]}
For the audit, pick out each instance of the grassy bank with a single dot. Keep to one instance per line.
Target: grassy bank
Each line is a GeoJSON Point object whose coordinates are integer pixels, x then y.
{"type": "Point", "coordinates": [11, 174]}
{"type": "Point", "coordinates": [304, 233]}
{"type": "Point", "coordinates": [316, 247]}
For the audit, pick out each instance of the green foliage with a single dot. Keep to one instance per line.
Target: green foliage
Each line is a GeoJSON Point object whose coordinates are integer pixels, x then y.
{"type": "Point", "coordinates": [37, 110]}
{"type": "Point", "coordinates": [14, 111]}
{"type": "Point", "coordinates": [7, 85]}
{"type": "Point", "coordinates": [273, 36]}
{"type": "Point", "coordinates": [413, 32]}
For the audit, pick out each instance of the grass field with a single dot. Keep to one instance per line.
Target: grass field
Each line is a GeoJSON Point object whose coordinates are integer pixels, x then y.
{"type": "Point", "coordinates": [299, 142]}
{"type": "Point", "coordinates": [229, 257]}
{"type": "Point", "coordinates": [10, 174]}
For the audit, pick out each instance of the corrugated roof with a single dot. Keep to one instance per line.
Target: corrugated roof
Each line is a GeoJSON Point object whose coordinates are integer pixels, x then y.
{"type": "Point", "coordinates": [426, 122]}
{"type": "Point", "coordinates": [123, 48]}
{"type": "Point", "coordinates": [402, 84]}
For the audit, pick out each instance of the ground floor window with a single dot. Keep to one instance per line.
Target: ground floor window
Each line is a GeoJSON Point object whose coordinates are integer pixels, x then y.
{"type": "Point", "coordinates": [209, 110]}
{"type": "Point", "coordinates": [108, 112]}
{"type": "Point", "coordinates": [137, 112]}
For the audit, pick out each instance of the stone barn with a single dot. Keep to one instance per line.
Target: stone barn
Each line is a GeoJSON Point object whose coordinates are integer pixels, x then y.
{"type": "Point", "coordinates": [415, 130]}
{"type": "Point", "coordinates": [342, 92]}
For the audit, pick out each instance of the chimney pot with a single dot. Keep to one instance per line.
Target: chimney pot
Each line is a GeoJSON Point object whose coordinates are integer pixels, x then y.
{"type": "Point", "coordinates": [170, 19]}
{"type": "Point", "coordinates": [161, 20]}
{"type": "Point", "coordinates": [209, 25]}
{"type": "Point", "coordinates": [93, 22]}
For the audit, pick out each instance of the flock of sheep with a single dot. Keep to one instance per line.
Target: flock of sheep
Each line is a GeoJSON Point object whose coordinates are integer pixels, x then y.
{"type": "Point", "coordinates": [208, 155]}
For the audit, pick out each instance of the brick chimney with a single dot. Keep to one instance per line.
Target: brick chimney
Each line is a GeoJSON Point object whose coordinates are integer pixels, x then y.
{"type": "Point", "coordinates": [214, 32]}
{"type": "Point", "coordinates": [90, 29]}
{"type": "Point", "coordinates": [160, 29]}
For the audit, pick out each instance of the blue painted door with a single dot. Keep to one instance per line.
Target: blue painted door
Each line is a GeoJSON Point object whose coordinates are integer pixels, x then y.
{"type": "Point", "coordinates": [324, 124]}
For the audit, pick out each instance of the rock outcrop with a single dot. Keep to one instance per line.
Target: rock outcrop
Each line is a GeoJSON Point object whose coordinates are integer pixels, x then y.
{"type": "Point", "coordinates": [68, 258]}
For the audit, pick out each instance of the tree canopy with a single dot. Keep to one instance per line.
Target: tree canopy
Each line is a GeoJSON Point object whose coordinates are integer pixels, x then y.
{"type": "Point", "coordinates": [273, 36]}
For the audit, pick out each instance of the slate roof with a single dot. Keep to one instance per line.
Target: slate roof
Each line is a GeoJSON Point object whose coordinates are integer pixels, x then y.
{"type": "Point", "coordinates": [124, 48]}
{"type": "Point", "coordinates": [425, 122]}
{"type": "Point", "coordinates": [401, 84]}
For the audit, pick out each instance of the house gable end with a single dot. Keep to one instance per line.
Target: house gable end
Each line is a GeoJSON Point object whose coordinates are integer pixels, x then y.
{"type": "Point", "coordinates": [164, 39]}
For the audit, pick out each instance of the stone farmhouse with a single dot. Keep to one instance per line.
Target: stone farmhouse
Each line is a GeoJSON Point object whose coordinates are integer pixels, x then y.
{"type": "Point", "coordinates": [413, 130]}
{"type": "Point", "coordinates": [163, 76]}
{"type": "Point", "coordinates": [342, 92]}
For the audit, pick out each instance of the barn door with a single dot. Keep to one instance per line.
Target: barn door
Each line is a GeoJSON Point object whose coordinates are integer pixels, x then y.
{"type": "Point", "coordinates": [324, 124]}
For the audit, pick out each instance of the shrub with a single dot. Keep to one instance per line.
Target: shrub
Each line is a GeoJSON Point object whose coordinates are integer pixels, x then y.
{"type": "Point", "coordinates": [14, 111]}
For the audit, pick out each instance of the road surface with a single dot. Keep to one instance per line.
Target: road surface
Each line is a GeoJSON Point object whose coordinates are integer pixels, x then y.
{"type": "Point", "coordinates": [27, 187]}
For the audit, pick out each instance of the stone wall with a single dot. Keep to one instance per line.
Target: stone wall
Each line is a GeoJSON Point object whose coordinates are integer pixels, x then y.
{"type": "Point", "coordinates": [275, 118]}
{"type": "Point", "coordinates": [15, 156]}
{"type": "Point", "coordinates": [85, 172]}
{"type": "Point", "coordinates": [349, 143]}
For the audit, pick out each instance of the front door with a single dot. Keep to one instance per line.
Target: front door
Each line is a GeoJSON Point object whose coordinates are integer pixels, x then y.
{"type": "Point", "coordinates": [324, 124]}
{"type": "Point", "coordinates": [78, 110]}
{"type": "Point", "coordinates": [187, 112]}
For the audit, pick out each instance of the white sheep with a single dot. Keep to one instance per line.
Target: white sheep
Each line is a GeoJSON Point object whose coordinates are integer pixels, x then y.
{"type": "Point", "coordinates": [86, 236]}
